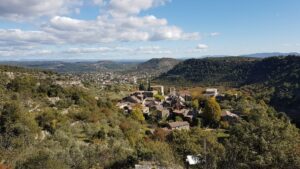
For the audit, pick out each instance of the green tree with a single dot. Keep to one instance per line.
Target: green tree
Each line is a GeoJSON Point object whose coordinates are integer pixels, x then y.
{"type": "Point", "coordinates": [263, 141]}
{"type": "Point", "coordinates": [17, 131]}
{"type": "Point", "coordinates": [195, 104]}
{"type": "Point", "coordinates": [212, 111]}
{"type": "Point", "coordinates": [137, 114]}
{"type": "Point", "coordinates": [156, 151]}
{"type": "Point", "coordinates": [159, 97]}
{"type": "Point", "coordinates": [197, 142]}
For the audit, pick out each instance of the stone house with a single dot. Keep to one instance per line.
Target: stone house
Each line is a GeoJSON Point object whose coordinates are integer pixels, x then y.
{"type": "Point", "coordinates": [179, 125]}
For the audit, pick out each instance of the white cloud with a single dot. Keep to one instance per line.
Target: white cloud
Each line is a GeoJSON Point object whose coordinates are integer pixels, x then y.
{"type": "Point", "coordinates": [98, 2]}
{"type": "Point", "coordinates": [215, 34]}
{"type": "Point", "coordinates": [12, 52]}
{"type": "Point", "coordinates": [77, 11]}
{"type": "Point", "coordinates": [198, 49]}
{"type": "Point", "coordinates": [20, 9]}
{"type": "Point", "coordinates": [172, 33]}
{"type": "Point", "coordinates": [120, 8]}
{"type": "Point", "coordinates": [66, 23]}
{"type": "Point", "coordinates": [18, 37]}
{"type": "Point", "coordinates": [152, 50]}
{"type": "Point", "coordinates": [110, 29]}
{"type": "Point", "coordinates": [119, 21]}
{"type": "Point", "coordinates": [139, 22]}
{"type": "Point", "coordinates": [202, 46]}
{"type": "Point", "coordinates": [123, 50]}
{"type": "Point", "coordinates": [88, 50]}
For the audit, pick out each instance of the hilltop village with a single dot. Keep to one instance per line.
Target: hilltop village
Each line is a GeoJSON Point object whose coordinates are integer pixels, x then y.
{"type": "Point", "coordinates": [176, 110]}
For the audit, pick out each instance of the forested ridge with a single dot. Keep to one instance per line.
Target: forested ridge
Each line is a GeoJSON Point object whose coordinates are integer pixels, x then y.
{"type": "Point", "coordinates": [211, 71]}
{"type": "Point", "coordinates": [236, 71]}
{"type": "Point", "coordinates": [274, 79]}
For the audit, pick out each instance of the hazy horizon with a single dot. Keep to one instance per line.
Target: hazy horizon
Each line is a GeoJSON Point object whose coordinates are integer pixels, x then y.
{"type": "Point", "coordinates": [259, 55]}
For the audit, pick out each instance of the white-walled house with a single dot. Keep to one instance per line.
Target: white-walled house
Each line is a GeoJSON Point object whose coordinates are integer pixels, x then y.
{"type": "Point", "coordinates": [211, 92]}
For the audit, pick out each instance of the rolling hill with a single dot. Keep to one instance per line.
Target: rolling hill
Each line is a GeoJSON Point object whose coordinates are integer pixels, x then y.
{"type": "Point", "coordinates": [153, 66]}
{"type": "Point", "coordinates": [271, 54]}
{"type": "Point", "coordinates": [158, 65]}
{"type": "Point", "coordinates": [77, 67]}
{"type": "Point", "coordinates": [275, 80]}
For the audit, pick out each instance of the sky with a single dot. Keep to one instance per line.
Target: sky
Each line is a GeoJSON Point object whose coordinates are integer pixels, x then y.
{"type": "Point", "coordinates": [143, 29]}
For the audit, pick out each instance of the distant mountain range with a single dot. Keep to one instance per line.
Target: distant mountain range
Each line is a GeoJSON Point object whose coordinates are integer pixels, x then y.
{"type": "Point", "coordinates": [256, 55]}
{"type": "Point", "coordinates": [75, 67]}
{"type": "Point", "coordinates": [265, 55]}
{"type": "Point", "coordinates": [153, 66]}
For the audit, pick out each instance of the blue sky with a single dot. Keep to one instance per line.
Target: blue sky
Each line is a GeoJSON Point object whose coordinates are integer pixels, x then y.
{"type": "Point", "coordinates": [143, 29]}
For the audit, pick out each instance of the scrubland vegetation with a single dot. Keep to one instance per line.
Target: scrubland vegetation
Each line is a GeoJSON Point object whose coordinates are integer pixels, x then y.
{"type": "Point", "coordinates": [47, 125]}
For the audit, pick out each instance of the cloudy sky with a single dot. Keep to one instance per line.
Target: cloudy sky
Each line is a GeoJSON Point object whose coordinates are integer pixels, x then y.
{"type": "Point", "coordinates": [142, 29]}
